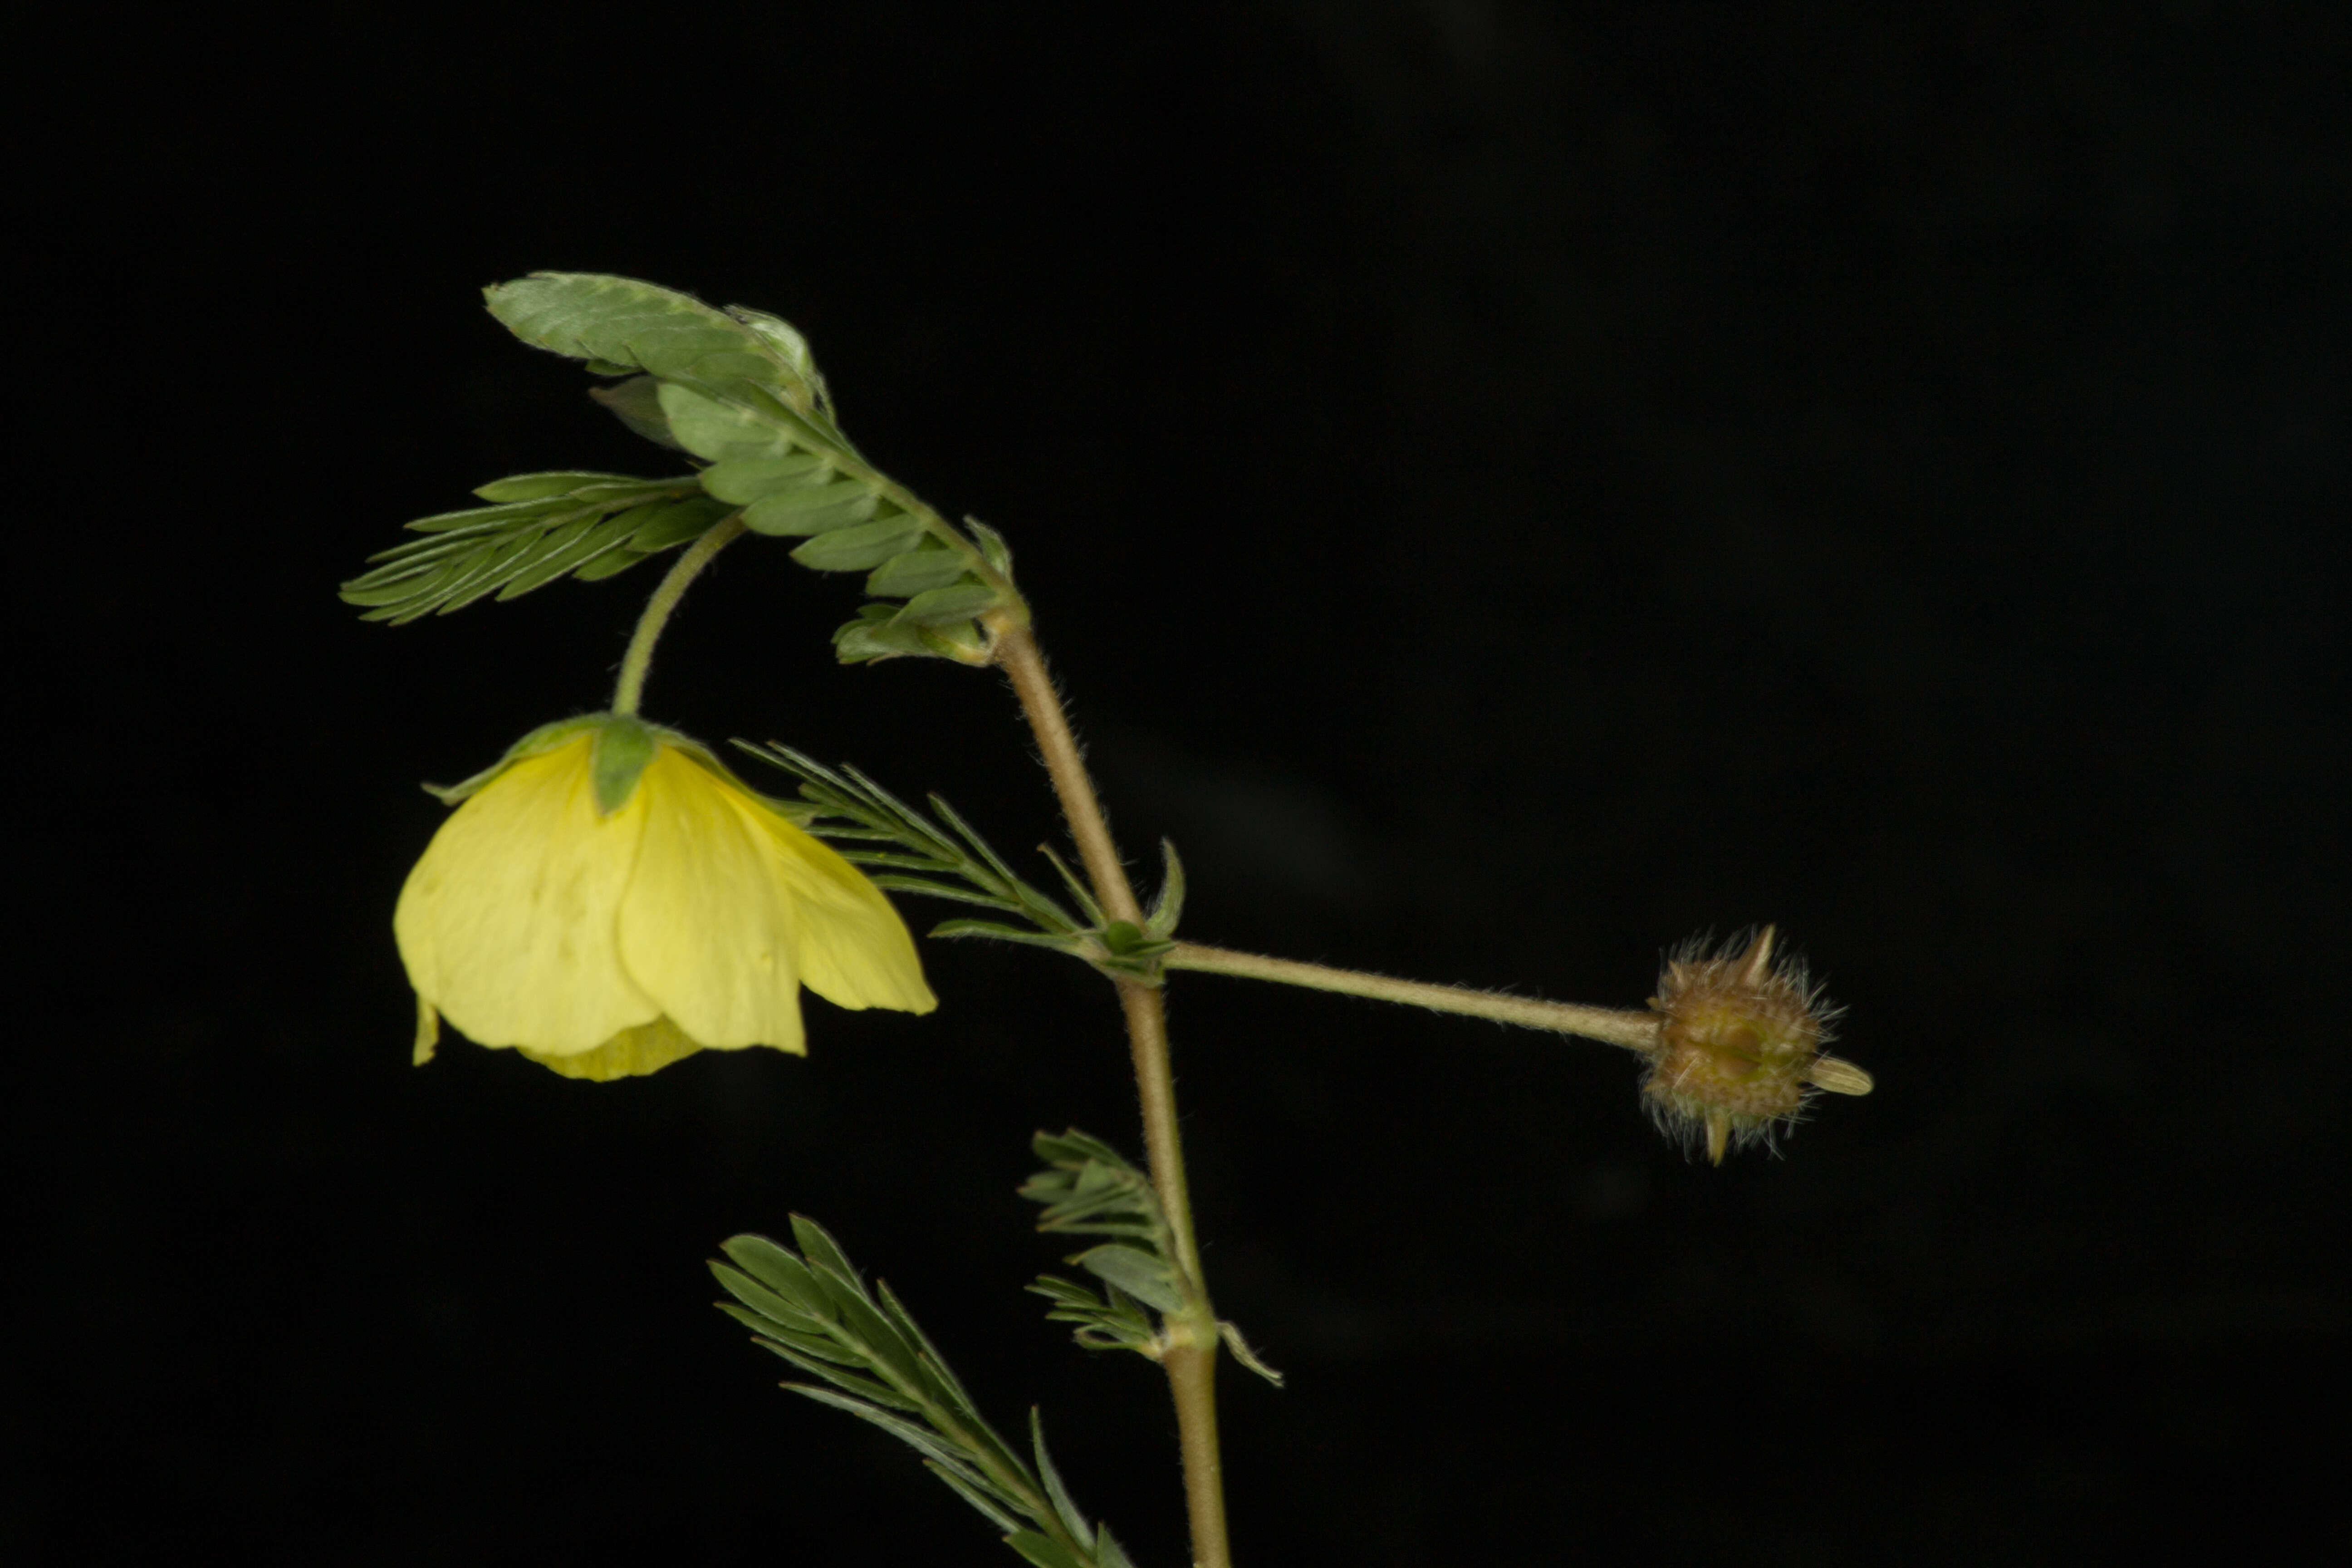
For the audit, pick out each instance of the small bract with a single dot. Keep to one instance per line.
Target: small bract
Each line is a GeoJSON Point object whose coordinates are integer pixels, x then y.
{"type": "Point", "coordinates": [609, 898]}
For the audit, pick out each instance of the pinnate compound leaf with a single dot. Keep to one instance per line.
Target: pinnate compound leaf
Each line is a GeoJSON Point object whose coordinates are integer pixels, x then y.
{"type": "Point", "coordinates": [875, 1362]}
{"type": "Point", "coordinates": [511, 548]}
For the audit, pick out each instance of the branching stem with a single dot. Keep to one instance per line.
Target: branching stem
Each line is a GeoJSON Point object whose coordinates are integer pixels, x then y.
{"type": "Point", "coordinates": [1191, 1333]}
{"type": "Point", "coordinates": [1634, 1031]}
{"type": "Point", "coordinates": [640, 656]}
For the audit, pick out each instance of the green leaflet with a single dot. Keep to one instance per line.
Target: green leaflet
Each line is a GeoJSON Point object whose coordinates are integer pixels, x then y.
{"type": "Point", "coordinates": [927, 566]}
{"type": "Point", "coordinates": [540, 487]}
{"type": "Point", "coordinates": [747, 480]}
{"type": "Point", "coordinates": [709, 427]}
{"type": "Point", "coordinates": [854, 548]}
{"type": "Point", "coordinates": [812, 509]}
{"type": "Point", "coordinates": [664, 527]}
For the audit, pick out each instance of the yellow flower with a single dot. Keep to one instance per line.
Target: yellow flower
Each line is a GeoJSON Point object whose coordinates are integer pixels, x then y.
{"type": "Point", "coordinates": [609, 898]}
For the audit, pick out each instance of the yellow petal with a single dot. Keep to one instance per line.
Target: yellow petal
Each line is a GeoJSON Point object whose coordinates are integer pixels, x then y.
{"type": "Point", "coordinates": [706, 928]}
{"type": "Point", "coordinates": [852, 948]}
{"type": "Point", "coordinates": [509, 923]}
{"type": "Point", "coordinates": [632, 1053]}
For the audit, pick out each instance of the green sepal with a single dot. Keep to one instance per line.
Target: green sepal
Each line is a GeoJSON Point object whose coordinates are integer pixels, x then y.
{"type": "Point", "coordinates": [544, 739]}
{"type": "Point", "coordinates": [625, 744]}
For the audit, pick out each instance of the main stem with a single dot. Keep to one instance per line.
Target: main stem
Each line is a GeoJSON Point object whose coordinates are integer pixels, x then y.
{"type": "Point", "coordinates": [640, 656]}
{"type": "Point", "coordinates": [1192, 1335]}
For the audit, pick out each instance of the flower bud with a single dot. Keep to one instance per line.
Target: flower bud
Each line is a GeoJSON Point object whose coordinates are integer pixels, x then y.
{"type": "Point", "coordinates": [1739, 1046]}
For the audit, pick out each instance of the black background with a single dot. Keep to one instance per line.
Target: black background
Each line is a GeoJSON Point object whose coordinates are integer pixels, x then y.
{"type": "Point", "coordinates": [1505, 488]}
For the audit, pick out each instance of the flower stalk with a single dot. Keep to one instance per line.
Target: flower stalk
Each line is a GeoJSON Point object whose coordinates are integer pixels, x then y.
{"type": "Point", "coordinates": [634, 663]}
{"type": "Point", "coordinates": [1192, 1335]}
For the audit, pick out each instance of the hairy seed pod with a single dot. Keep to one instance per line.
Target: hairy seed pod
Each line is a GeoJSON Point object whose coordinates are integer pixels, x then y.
{"type": "Point", "coordinates": [1739, 1046]}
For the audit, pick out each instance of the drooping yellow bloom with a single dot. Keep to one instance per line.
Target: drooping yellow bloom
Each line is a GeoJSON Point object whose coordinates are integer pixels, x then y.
{"type": "Point", "coordinates": [610, 899]}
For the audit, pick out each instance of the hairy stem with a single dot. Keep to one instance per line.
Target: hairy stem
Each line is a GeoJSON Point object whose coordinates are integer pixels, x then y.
{"type": "Point", "coordinates": [1191, 1333]}
{"type": "Point", "coordinates": [640, 656]}
{"type": "Point", "coordinates": [1634, 1031]}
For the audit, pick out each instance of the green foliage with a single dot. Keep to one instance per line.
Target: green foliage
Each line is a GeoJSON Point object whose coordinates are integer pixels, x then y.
{"type": "Point", "coordinates": [740, 390]}
{"type": "Point", "coordinates": [953, 861]}
{"type": "Point", "coordinates": [538, 528]}
{"type": "Point", "coordinates": [1089, 1188]}
{"type": "Point", "coordinates": [811, 1309]}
